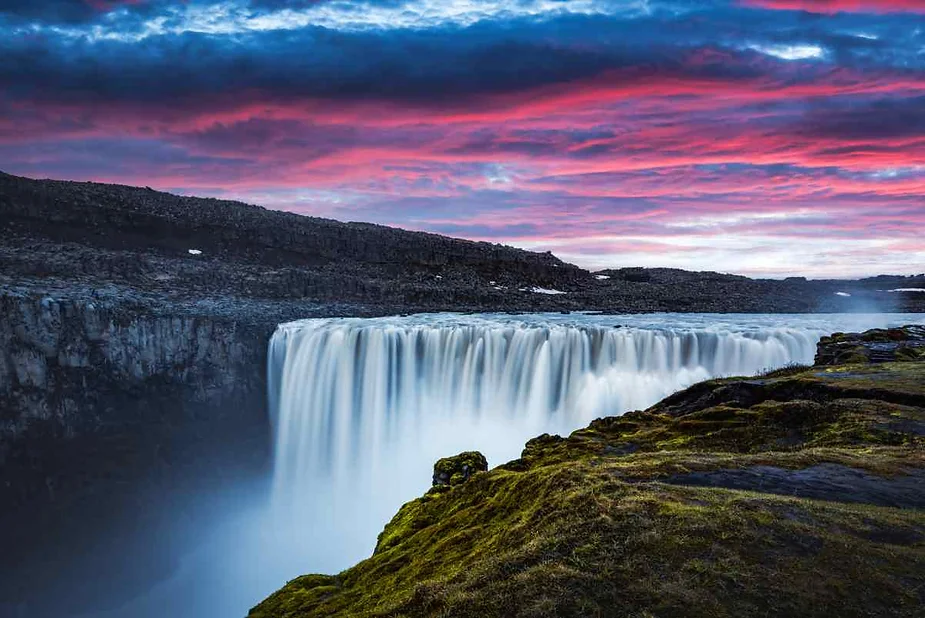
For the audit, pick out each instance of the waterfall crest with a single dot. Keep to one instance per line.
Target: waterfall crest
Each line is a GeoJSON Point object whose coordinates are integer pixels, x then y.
{"type": "Point", "coordinates": [349, 394]}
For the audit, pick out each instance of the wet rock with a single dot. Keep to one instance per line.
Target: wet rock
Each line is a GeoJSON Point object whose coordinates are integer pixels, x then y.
{"type": "Point", "coordinates": [456, 470]}
{"type": "Point", "coordinates": [873, 346]}
{"type": "Point", "coordinates": [821, 482]}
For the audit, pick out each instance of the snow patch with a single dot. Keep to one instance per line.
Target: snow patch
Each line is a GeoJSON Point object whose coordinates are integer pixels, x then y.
{"type": "Point", "coordinates": [842, 294]}
{"type": "Point", "coordinates": [194, 251]}
{"type": "Point", "coordinates": [602, 277]}
{"type": "Point", "coordinates": [907, 290]}
{"type": "Point", "coordinates": [538, 290]}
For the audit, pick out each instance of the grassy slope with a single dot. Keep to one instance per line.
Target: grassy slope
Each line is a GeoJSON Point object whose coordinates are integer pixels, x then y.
{"type": "Point", "coordinates": [598, 525]}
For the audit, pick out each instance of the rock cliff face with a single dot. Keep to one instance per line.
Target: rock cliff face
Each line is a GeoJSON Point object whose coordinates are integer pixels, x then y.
{"type": "Point", "coordinates": [77, 367]}
{"type": "Point", "coordinates": [111, 411]}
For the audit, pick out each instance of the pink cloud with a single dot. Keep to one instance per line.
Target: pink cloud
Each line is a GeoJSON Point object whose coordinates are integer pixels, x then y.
{"type": "Point", "coordinates": [848, 6]}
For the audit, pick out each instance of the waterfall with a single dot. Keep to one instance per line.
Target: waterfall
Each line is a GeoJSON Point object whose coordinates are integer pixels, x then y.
{"type": "Point", "coordinates": [354, 401]}
{"type": "Point", "coordinates": [361, 408]}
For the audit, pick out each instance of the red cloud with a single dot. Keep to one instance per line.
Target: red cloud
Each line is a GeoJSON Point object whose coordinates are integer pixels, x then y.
{"type": "Point", "coordinates": [657, 156]}
{"type": "Point", "coordinates": [848, 6]}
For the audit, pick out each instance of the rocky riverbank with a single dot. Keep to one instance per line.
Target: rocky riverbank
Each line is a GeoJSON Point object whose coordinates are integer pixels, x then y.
{"type": "Point", "coordinates": [794, 493]}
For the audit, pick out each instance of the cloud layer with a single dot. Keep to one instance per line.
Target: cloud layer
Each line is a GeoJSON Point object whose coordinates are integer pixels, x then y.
{"type": "Point", "coordinates": [767, 137]}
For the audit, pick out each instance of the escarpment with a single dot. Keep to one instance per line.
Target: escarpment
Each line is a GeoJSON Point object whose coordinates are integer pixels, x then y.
{"type": "Point", "coordinates": [112, 408]}
{"type": "Point", "coordinates": [88, 367]}
{"type": "Point", "coordinates": [103, 234]}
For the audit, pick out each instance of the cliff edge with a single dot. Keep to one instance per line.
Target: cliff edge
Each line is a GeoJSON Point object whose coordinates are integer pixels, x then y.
{"type": "Point", "coordinates": [800, 492]}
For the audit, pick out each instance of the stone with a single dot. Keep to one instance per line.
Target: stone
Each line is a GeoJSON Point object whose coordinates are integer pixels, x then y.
{"type": "Point", "coordinates": [458, 469]}
{"type": "Point", "coordinates": [874, 346]}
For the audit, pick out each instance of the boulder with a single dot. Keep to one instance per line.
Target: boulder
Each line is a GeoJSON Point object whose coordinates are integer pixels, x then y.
{"type": "Point", "coordinates": [459, 468]}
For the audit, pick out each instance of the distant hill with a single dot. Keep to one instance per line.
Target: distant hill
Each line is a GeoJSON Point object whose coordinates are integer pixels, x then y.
{"type": "Point", "coordinates": [58, 233]}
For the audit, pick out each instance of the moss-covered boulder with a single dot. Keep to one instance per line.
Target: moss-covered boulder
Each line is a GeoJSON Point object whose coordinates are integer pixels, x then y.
{"type": "Point", "coordinates": [456, 470]}
{"type": "Point", "coordinates": [798, 493]}
{"type": "Point", "coordinates": [879, 345]}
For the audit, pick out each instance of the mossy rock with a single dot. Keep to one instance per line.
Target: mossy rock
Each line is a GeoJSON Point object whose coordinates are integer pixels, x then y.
{"type": "Point", "coordinates": [458, 469]}
{"type": "Point", "coordinates": [876, 346]}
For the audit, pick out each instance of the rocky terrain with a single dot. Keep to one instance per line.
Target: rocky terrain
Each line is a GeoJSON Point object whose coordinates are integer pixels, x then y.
{"type": "Point", "coordinates": [795, 493]}
{"type": "Point", "coordinates": [56, 234]}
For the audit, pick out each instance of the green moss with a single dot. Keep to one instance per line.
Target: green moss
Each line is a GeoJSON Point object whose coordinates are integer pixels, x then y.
{"type": "Point", "coordinates": [457, 469]}
{"type": "Point", "coordinates": [910, 353]}
{"type": "Point", "coordinates": [789, 370]}
{"type": "Point", "coordinates": [593, 525]}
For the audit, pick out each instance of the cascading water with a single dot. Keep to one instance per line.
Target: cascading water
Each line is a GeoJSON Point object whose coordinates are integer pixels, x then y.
{"type": "Point", "coordinates": [345, 391]}
{"type": "Point", "coordinates": [362, 407]}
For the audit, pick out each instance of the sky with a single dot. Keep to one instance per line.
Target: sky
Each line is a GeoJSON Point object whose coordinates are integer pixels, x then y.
{"type": "Point", "coordinates": [762, 137]}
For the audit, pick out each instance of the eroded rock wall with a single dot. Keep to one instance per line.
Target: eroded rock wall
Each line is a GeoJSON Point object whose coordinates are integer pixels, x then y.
{"type": "Point", "coordinates": [74, 370]}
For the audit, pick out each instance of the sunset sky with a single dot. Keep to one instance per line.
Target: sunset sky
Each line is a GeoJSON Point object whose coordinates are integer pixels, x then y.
{"type": "Point", "coordinates": [763, 137]}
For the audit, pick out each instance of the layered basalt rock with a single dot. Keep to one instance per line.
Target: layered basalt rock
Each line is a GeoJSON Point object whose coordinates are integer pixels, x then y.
{"type": "Point", "coordinates": [111, 410]}
{"type": "Point", "coordinates": [87, 367]}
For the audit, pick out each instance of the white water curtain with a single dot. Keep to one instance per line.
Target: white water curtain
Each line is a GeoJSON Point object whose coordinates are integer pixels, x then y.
{"type": "Point", "coordinates": [356, 401]}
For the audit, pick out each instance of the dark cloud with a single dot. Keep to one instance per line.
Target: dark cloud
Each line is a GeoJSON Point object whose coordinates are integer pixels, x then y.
{"type": "Point", "coordinates": [444, 66]}
{"type": "Point", "coordinates": [81, 11]}
{"type": "Point", "coordinates": [71, 11]}
{"type": "Point", "coordinates": [52, 10]}
{"type": "Point", "coordinates": [883, 119]}
{"type": "Point", "coordinates": [314, 63]}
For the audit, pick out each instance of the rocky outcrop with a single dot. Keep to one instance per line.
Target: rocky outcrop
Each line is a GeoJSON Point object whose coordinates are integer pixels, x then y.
{"type": "Point", "coordinates": [874, 346]}
{"type": "Point", "coordinates": [458, 469]}
{"type": "Point", "coordinates": [795, 493]}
